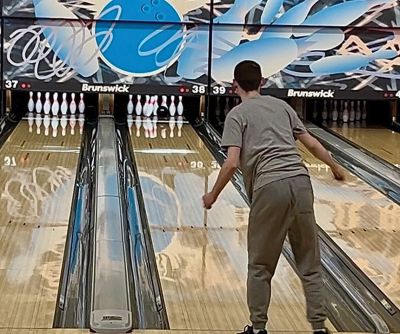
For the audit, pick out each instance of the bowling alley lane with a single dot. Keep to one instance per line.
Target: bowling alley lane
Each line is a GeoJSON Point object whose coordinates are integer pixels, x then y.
{"type": "Point", "coordinates": [37, 179]}
{"type": "Point", "coordinates": [201, 255]}
{"type": "Point", "coordinates": [362, 221]}
{"type": "Point", "coordinates": [380, 141]}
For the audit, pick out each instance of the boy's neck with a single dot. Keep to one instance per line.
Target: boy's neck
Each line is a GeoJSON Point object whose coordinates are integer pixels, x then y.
{"type": "Point", "coordinates": [249, 95]}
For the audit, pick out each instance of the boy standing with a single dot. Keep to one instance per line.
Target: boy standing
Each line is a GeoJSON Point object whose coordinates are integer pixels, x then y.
{"type": "Point", "coordinates": [260, 135]}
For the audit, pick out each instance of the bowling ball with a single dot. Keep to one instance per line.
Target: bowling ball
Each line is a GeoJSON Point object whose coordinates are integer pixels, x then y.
{"type": "Point", "coordinates": [140, 49]}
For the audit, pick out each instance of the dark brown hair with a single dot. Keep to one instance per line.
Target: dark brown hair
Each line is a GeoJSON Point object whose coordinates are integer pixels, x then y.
{"type": "Point", "coordinates": [248, 75]}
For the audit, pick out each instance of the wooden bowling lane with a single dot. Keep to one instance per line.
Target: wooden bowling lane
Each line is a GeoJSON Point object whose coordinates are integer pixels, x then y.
{"type": "Point", "coordinates": [203, 268]}
{"type": "Point", "coordinates": [85, 331]}
{"type": "Point", "coordinates": [362, 221]}
{"type": "Point", "coordinates": [36, 183]}
{"type": "Point", "coordinates": [382, 142]}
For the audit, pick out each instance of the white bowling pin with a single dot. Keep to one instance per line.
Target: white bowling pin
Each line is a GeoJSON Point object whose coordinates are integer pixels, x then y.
{"type": "Point", "coordinates": [352, 112]}
{"type": "Point", "coordinates": [64, 104]}
{"type": "Point", "coordinates": [130, 123]}
{"type": "Point", "coordinates": [72, 106]}
{"type": "Point", "coordinates": [345, 112]}
{"type": "Point", "coordinates": [179, 124]}
{"type": "Point", "coordinates": [31, 120]}
{"type": "Point", "coordinates": [47, 104]}
{"type": "Point", "coordinates": [364, 111]}
{"type": "Point", "coordinates": [156, 106]}
{"type": "Point", "coordinates": [315, 111]}
{"type": "Point", "coordinates": [151, 106]}
{"type": "Point", "coordinates": [55, 107]}
{"type": "Point", "coordinates": [164, 102]}
{"type": "Point", "coordinates": [72, 124]}
{"type": "Point", "coordinates": [180, 106]}
{"type": "Point", "coordinates": [172, 107]}
{"type": "Point", "coordinates": [46, 124]}
{"type": "Point", "coordinates": [38, 122]}
{"type": "Point", "coordinates": [63, 123]}
{"type": "Point", "coordinates": [149, 127]}
{"type": "Point", "coordinates": [138, 125]}
{"type": "Point", "coordinates": [171, 124]}
{"type": "Point", "coordinates": [358, 111]}
{"type": "Point", "coordinates": [325, 111]}
{"type": "Point", "coordinates": [31, 103]}
{"type": "Point", "coordinates": [129, 107]}
{"type": "Point", "coordinates": [54, 126]}
{"type": "Point", "coordinates": [81, 105]}
{"type": "Point", "coordinates": [138, 108]}
{"type": "Point", "coordinates": [335, 113]}
{"type": "Point", "coordinates": [39, 104]}
{"type": "Point", "coordinates": [146, 106]}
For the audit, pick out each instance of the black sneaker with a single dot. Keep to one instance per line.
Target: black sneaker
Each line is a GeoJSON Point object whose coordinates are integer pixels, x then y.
{"type": "Point", "coordinates": [322, 331]}
{"type": "Point", "coordinates": [249, 330]}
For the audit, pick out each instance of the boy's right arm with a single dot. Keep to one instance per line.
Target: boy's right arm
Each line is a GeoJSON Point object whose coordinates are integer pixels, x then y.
{"type": "Point", "coordinates": [316, 148]}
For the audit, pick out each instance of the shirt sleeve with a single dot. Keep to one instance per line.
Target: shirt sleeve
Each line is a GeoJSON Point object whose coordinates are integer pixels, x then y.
{"type": "Point", "coordinates": [233, 132]}
{"type": "Point", "coordinates": [298, 127]}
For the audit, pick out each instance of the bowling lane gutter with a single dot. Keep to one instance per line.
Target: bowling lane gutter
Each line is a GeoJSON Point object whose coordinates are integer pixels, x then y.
{"type": "Point", "coordinates": [149, 299]}
{"type": "Point", "coordinates": [354, 301]}
{"type": "Point", "coordinates": [73, 307]}
{"type": "Point", "coordinates": [7, 126]}
{"type": "Point", "coordinates": [382, 176]}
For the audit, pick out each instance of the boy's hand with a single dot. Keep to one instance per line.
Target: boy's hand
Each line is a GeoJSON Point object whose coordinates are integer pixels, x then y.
{"type": "Point", "coordinates": [338, 173]}
{"type": "Point", "coordinates": [208, 200]}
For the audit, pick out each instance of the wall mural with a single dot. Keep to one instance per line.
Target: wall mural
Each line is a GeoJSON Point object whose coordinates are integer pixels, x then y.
{"type": "Point", "coordinates": [301, 44]}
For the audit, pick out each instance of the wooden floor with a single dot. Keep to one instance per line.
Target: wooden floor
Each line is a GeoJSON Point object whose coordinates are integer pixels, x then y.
{"type": "Point", "coordinates": [380, 141]}
{"type": "Point", "coordinates": [36, 181]}
{"type": "Point", "coordinates": [203, 268]}
{"type": "Point", "coordinates": [362, 221]}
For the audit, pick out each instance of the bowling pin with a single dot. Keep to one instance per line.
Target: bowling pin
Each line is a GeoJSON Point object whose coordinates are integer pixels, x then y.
{"type": "Point", "coordinates": [335, 113]}
{"type": "Point", "coordinates": [149, 127]}
{"type": "Point", "coordinates": [358, 111]}
{"type": "Point", "coordinates": [156, 106]}
{"type": "Point", "coordinates": [325, 111]}
{"type": "Point", "coordinates": [72, 106]}
{"type": "Point", "coordinates": [164, 102]}
{"type": "Point", "coordinates": [146, 106]}
{"type": "Point", "coordinates": [345, 112]}
{"type": "Point", "coordinates": [352, 112]}
{"type": "Point", "coordinates": [315, 111]}
{"type": "Point", "coordinates": [64, 104]}
{"type": "Point", "coordinates": [38, 122]}
{"type": "Point", "coordinates": [46, 124]}
{"type": "Point", "coordinates": [172, 107]}
{"type": "Point", "coordinates": [138, 108]}
{"type": "Point", "coordinates": [63, 123]}
{"type": "Point", "coordinates": [31, 120]}
{"type": "Point", "coordinates": [55, 107]}
{"type": "Point", "coordinates": [72, 124]}
{"type": "Point", "coordinates": [31, 103]}
{"type": "Point", "coordinates": [81, 105]}
{"type": "Point", "coordinates": [138, 125]}
{"type": "Point", "coordinates": [179, 124]}
{"type": "Point", "coordinates": [171, 124]}
{"type": "Point", "coordinates": [180, 106]}
{"type": "Point", "coordinates": [164, 133]}
{"type": "Point", "coordinates": [47, 104]}
{"type": "Point", "coordinates": [130, 122]}
{"type": "Point", "coordinates": [39, 104]}
{"type": "Point", "coordinates": [151, 105]}
{"type": "Point", "coordinates": [81, 121]}
{"type": "Point", "coordinates": [54, 126]}
{"type": "Point", "coordinates": [129, 107]}
{"type": "Point", "coordinates": [364, 111]}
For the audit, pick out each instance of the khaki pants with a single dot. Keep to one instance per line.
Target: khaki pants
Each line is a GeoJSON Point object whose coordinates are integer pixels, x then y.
{"type": "Point", "coordinates": [280, 208]}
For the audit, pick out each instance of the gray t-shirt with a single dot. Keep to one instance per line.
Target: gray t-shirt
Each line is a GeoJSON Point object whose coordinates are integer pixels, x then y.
{"type": "Point", "coordinates": [264, 128]}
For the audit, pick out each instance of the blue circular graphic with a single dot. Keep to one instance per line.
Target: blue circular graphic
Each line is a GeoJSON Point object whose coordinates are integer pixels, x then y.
{"type": "Point", "coordinates": [140, 49]}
